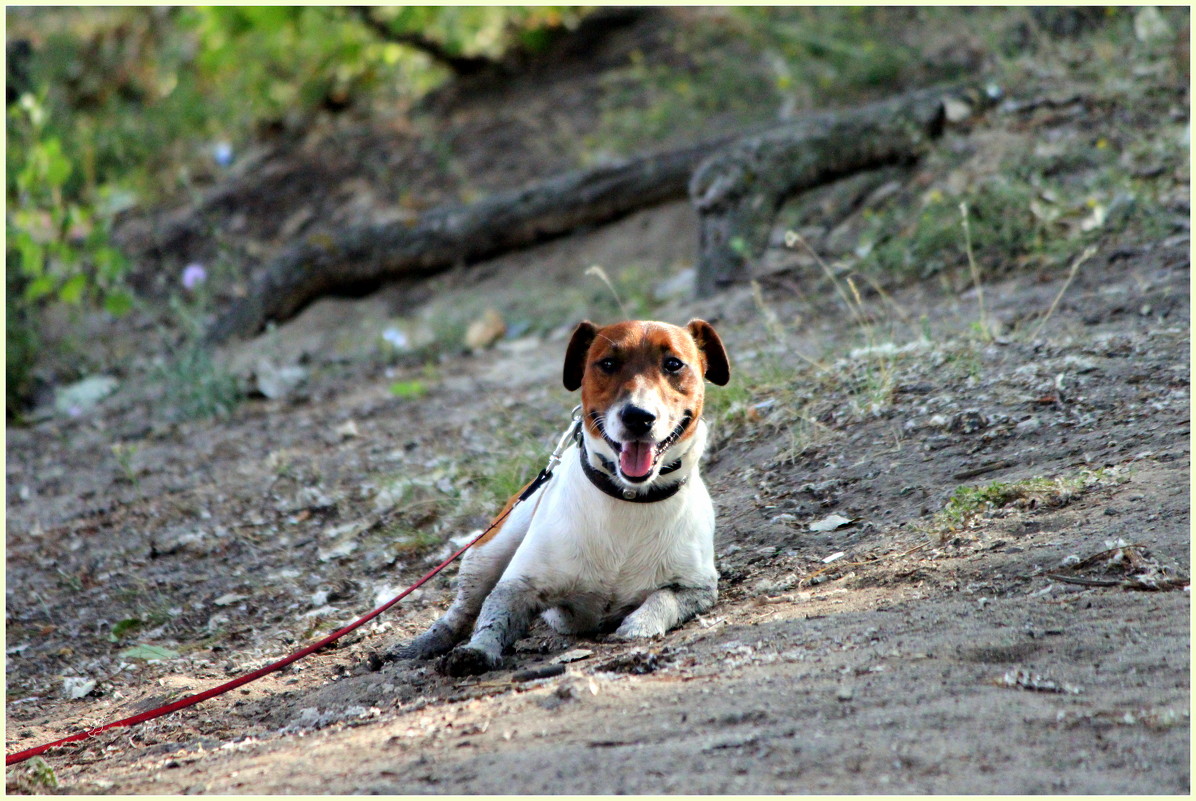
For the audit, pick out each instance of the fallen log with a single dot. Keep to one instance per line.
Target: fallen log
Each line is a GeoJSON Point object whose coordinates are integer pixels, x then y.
{"type": "Point", "coordinates": [456, 234]}
{"type": "Point", "coordinates": [739, 189]}
{"type": "Point", "coordinates": [466, 233]}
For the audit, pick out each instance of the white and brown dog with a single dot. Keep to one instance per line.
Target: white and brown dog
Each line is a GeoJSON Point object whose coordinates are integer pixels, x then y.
{"type": "Point", "coordinates": [624, 532]}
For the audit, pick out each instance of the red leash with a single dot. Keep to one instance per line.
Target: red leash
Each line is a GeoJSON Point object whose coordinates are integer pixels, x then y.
{"type": "Point", "coordinates": [192, 700]}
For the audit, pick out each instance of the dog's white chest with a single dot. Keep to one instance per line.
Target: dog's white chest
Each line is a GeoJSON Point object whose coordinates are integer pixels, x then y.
{"type": "Point", "coordinates": [584, 542]}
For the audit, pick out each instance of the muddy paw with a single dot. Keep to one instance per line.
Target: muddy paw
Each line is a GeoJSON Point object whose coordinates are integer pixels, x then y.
{"type": "Point", "coordinates": [410, 651]}
{"type": "Point", "coordinates": [427, 645]}
{"type": "Point", "coordinates": [466, 661]}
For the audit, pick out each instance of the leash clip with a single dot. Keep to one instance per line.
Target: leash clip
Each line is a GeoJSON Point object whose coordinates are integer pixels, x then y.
{"type": "Point", "coordinates": [555, 458]}
{"type": "Point", "coordinates": [566, 438]}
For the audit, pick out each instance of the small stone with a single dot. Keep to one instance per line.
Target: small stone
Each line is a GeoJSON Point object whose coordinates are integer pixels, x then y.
{"type": "Point", "coordinates": [968, 422]}
{"type": "Point", "coordinates": [576, 655]}
{"type": "Point", "coordinates": [830, 523]}
{"type": "Point", "coordinates": [74, 687]}
{"type": "Point", "coordinates": [347, 430]}
{"type": "Point", "coordinates": [956, 110]}
{"type": "Point", "coordinates": [276, 383]}
{"type": "Point", "coordinates": [485, 331]}
{"type": "Point", "coordinates": [845, 693]}
{"type": "Point", "coordinates": [1029, 425]}
{"type": "Point", "coordinates": [82, 396]}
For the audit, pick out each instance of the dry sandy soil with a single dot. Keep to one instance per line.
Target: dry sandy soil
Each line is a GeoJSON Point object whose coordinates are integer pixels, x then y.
{"type": "Point", "coordinates": [1037, 643]}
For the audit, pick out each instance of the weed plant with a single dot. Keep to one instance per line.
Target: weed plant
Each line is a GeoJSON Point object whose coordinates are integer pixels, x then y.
{"type": "Point", "coordinates": [969, 505]}
{"type": "Point", "coordinates": [194, 385]}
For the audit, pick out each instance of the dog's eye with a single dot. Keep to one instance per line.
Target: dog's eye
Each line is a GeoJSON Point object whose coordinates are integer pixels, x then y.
{"type": "Point", "coordinates": [672, 364]}
{"type": "Point", "coordinates": [608, 365]}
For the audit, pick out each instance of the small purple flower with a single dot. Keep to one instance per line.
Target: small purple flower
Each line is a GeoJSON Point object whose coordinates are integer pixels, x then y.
{"type": "Point", "coordinates": [193, 275]}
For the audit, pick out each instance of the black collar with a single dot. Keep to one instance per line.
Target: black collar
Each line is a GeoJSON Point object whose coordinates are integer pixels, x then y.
{"type": "Point", "coordinates": [605, 483]}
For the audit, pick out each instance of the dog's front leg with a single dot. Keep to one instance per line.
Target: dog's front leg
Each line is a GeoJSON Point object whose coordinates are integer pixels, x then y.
{"type": "Point", "coordinates": [666, 608]}
{"type": "Point", "coordinates": [505, 616]}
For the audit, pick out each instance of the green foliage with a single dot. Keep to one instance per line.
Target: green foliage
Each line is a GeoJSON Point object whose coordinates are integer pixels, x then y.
{"type": "Point", "coordinates": [20, 346]}
{"type": "Point", "coordinates": [282, 58]}
{"type": "Point", "coordinates": [970, 503]}
{"type": "Point", "coordinates": [128, 104]}
{"type": "Point", "coordinates": [142, 94]}
{"type": "Point", "coordinates": [407, 542]}
{"type": "Point", "coordinates": [409, 389]}
{"type": "Point", "coordinates": [1031, 210]}
{"type": "Point", "coordinates": [124, 452]}
{"type": "Point", "coordinates": [488, 31]}
{"type": "Point", "coordinates": [507, 476]}
{"type": "Point", "coordinates": [195, 385]}
{"type": "Point", "coordinates": [921, 245]}
{"type": "Point", "coordinates": [125, 627]}
{"type": "Point", "coordinates": [58, 245]}
{"type": "Point", "coordinates": [787, 58]}
{"type": "Point", "coordinates": [33, 777]}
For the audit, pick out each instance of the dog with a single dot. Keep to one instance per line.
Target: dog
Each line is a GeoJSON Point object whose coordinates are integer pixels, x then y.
{"type": "Point", "coordinates": [622, 536]}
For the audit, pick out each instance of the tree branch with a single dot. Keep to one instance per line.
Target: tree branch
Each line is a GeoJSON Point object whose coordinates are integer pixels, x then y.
{"type": "Point", "coordinates": [462, 66]}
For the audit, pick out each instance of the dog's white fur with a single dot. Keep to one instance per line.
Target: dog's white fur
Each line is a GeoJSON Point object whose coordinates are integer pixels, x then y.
{"type": "Point", "coordinates": [585, 560]}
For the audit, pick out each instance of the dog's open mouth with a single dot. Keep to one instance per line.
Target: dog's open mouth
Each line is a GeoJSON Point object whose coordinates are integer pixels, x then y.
{"type": "Point", "coordinates": [637, 460]}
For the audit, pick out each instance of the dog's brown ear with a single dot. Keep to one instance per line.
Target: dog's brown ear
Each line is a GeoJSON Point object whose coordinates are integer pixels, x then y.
{"type": "Point", "coordinates": [575, 356]}
{"type": "Point", "coordinates": [718, 368]}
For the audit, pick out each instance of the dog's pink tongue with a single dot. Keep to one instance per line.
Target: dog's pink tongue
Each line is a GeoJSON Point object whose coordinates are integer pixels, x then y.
{"type": "Point", "coordinates": [635, 459]}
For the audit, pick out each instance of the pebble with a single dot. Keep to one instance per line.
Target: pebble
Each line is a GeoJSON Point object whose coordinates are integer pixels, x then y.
{"type": "Point", "coordinates": [485, 330]}
{"type": "Point", "coordinates": [1029, 425]}
{"type": "Point", "coordinates": [576, 655]}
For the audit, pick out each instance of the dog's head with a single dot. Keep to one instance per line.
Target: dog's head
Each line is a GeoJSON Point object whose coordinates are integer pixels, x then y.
{"type": "Point", "coordinates": [642, 387]}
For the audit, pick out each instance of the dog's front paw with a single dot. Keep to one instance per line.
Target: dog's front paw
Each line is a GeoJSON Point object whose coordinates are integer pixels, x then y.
{"type": "Point", "coordinates": [467, 661]}
{"type": "Point", "coordinates": [633, 628]}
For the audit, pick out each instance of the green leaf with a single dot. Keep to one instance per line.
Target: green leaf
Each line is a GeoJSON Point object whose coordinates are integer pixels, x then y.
{"type": "Point", "coordinates": [72, 291]}
{"type": "Point", "coordinates": [33, 255]}
{"type": "Point", "coordinates": [39, 288]}
{"type": "Point", "coordinates": [408, 389]}
{"type": "Point", "coordinates": [148, 652]}
{"type": "Point", "coordinates": [129, 624]}
{"type": "Point", "coordinates": [118, 303]}
{"type": "Point", "coordinates": [269, 18]}
{"type": "Point", "coordinates": [110, 264]}
{"type": "Point", "coordinates": [58, 166]}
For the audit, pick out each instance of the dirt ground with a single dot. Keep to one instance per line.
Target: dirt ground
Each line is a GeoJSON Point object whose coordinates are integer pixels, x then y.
{"type": "Point", "coordinates": [1040, 644]}
{"type": "Point", "coordinates": [885, 677]}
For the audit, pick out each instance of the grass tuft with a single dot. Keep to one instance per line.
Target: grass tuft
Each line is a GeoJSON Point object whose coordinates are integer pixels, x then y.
{"type": "Point", "coordinates": [968, 506]}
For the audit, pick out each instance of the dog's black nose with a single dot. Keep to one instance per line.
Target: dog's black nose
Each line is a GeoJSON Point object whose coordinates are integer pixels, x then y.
{"type": "Point", "coordinates": [637, 421]}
